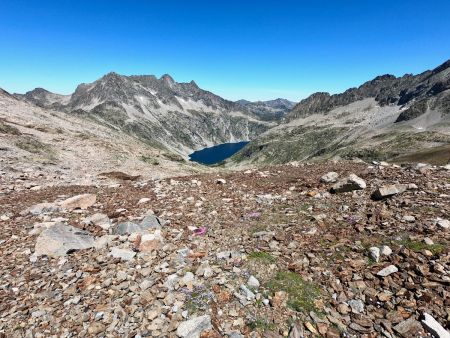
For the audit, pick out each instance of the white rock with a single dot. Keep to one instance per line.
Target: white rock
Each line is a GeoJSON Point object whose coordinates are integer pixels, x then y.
{"type": "Point", "coordinates": [83, 201]}
{"type": "Point", "coordinates": [385, 250]}
{"type": "Point", "coordinates": [356, 305]}
{"type": "Point", "coordinates": [428, 241]}
{"type": "Point", "coordinates": [253, 282]}
{"type": "Point", "coordinates": [434, 327]}
{"type": "Point", "coordinates": [98, 219]}
{"type": "Point", "coordinates": [188, 278]}
{"type": "Point", "coordinates": [123, 254]}
{"type": "Point", "coordinates": [387, 271]}
{"type": "Point", "coordinates": [330, 177]}
{"type": "Point", "coordinates": [374, 253]}
{"type": "Point", "coordinates": [143, 200]}
{"type": "Point", "coordinates": [172, 281]}
{"type": "Point", "coordinates": [409, 218]}
{"type": "Point", "coordinates": [443, 223]}
{"type": "Point", "coordinates": [352, 182]}
{"type": "Point", "coordinates": [389, 190]}
{"type": "Point", "coordinates": [104, 241]}
{"type": "Point", "coordinates": [194, 327]}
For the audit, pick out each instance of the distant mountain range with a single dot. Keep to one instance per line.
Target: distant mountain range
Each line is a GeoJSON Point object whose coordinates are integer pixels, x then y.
{"type": "Point", "coordinates": [384, 118]}
{"type": "Point", "coordinates": [178, 116]}
{"type": "Point", "coordinates": [272, 110]}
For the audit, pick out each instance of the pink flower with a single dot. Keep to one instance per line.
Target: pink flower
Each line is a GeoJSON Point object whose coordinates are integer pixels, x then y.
{"type": "Point", "coordinates": [200, 231]}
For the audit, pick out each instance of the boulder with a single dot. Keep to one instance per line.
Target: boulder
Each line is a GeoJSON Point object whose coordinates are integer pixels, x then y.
{"type": "Point", "coordinates": [128, 228]}
{"type": "Point", "coordinates": [123, 254]}
{"type": "Point", "coordinates": [388, 191]}
{"type": "Point", "coordinates": [98, 219]}
{"type": "Point", "coordinates": [151, 221]}
{"type": "Point", "coordinates": [60, 239]}
{"type": "Point", "coordinates": [352, 182]}
{"type": "Point", "coordinates": [443, 223]}
{"type": "Point", "coordinates": [83, 201]}
{"type": "Point", "coordinates": [433, 327]}
{"type": "Point", "coordinates": [194, 327]}
{"type": "Point", "coordinates": [330, 177]}
{"type": "Point", "coordinates": [42, 208]}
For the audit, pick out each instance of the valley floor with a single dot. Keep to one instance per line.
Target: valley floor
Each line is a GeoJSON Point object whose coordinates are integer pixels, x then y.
{"type": "Point", "coordinates": [257, 253]}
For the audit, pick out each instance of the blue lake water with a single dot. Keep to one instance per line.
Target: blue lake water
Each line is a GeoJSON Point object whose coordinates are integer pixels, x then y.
{"type": "Point", "coordinates": [217, 153]}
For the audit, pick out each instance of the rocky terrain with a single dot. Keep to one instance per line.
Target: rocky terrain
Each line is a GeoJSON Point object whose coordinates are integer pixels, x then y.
{"type": "Point", "coordinates": [41, 147]}
{"type": "Point", "coordinates": [272, 110]}
{"type": "Point", "coordinates": [175, 117]}
{"type": "Point", "coordinates": [345, 249]}
{"type": "Point", "coordinates": [384, 118]}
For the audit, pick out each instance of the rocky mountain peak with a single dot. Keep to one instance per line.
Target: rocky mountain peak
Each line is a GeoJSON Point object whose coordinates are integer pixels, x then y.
{"type": "Point", "coordinates": [167, 80]}
{"type": "Point", "coordinates": [444, 66]}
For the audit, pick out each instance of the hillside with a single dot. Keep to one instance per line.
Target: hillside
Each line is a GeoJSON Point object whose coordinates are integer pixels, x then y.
{"type": "Point", "coordinates": [177, 117]}
{"type": "Point", "coordinates": [382, 119]}
{"type": "Point", "coordinates": [41, 146]}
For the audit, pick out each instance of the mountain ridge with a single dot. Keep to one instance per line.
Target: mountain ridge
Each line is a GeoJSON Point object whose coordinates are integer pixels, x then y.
{"type": "Point", "coordinates": [181, 117]}
{"type": "Point", "coordinates": [383, 118]}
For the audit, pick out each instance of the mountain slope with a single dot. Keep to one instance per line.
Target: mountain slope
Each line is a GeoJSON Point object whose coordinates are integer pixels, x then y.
{"type": "Point", "coordinates": [180, 117]}
{"type": "Point", "coordinates": [383, 118]}
{"type": "Point", "coordinates": [272, 110]}
{"type": "Point", "coordinates": [39, 144]}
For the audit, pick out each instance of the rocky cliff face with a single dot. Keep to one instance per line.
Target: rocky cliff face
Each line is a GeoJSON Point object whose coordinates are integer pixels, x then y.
{"type": "Point", "coordinates": [180, 117]}
{"type": "Point", "coordinates": [404, 91]}
{"type": "Point", "coordinates": [383, 118]}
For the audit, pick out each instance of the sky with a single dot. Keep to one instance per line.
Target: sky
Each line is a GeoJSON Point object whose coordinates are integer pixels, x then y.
{"type": "Point", "coordinates": [256, 50]}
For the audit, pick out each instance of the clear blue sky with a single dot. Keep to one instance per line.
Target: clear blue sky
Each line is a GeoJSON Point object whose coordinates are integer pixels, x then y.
{"type": "Point", "coordinates": [237, 49]}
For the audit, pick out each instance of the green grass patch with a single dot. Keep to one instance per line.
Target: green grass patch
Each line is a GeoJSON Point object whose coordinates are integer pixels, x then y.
{"type": "Point", "coordinates": [260, 324]}
{"type": "Point", "coordinates": [149, 160]}
{"type": "Point", "coordinates": [34, 146]}
{"type": "Point", "coordinates": [301, 294]}
{"type": "Point", "coordinates": [7, 129]}
{"type": "Point", "coordinates": [262, 256]}
{"type": "Point", "coordinates": [417, 246]}
{"type": "Point", "coordinates": [174, 157]}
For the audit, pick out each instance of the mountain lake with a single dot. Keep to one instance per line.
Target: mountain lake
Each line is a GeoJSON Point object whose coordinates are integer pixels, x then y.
{"type": "Point", "coordinates": [216, 154]}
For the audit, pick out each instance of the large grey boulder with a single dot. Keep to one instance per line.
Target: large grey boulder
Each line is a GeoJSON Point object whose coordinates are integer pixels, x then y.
{"type": "Point", "coordinates": [42, 208]}
{"type": "Point", "coordinates": [127, 228]}
{"type": "Point", "coordinates": [388, 191]}
{"type": "Point", "coordinates": [352, 182]}
{"type": "Point", "coordinates": [330, 177]}
{"type": "Point", "coordinates": [151, 221]}
{"type": "Point", "coordinates": [194, 327]}
{"type": "Point", "coordinates": [60, 239]}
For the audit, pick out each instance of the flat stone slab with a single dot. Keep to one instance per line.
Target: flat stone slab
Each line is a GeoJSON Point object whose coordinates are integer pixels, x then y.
{"type": "Point", "coordinates": [194, 327]}
{"type": "Point", "coordinates": [83, 201]}
{"type": "Point", "coordinates": [60, 239]}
